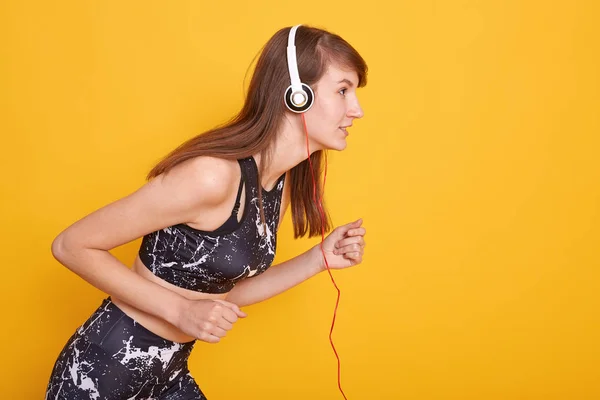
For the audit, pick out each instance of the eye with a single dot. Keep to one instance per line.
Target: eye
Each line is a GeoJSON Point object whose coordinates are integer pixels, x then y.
{"type": "Point", "coordinates": [343, 92]}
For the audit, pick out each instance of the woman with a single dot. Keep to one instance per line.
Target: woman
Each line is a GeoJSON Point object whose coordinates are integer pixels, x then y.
{"type": "Point", "coordinates": [209, 217]}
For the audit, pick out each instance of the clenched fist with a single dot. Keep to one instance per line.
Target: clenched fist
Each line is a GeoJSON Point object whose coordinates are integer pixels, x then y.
{"type": "Point", "coordinates": [208, 320]}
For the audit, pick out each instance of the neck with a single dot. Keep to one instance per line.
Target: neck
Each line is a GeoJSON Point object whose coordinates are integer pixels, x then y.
{"type": "Point", "coordinates": [287, 151]}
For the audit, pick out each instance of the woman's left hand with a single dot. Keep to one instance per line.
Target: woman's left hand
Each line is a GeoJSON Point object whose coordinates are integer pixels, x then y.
{"type": "Point", "coordinates": [344, 246]}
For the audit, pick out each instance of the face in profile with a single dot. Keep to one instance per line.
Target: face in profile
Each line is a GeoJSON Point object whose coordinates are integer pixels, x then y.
{"type": "Point", "coordinates": [335, 108]}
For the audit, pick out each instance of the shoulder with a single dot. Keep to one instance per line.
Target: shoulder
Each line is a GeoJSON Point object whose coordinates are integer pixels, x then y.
{"type": "Point", "coordinates": [206, 177]}
{"type": "Point", "coordinates": [191, 188]}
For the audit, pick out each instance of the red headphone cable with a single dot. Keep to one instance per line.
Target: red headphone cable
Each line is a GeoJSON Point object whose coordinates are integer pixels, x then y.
{"type": "Point", "coordinates": [322, 214]}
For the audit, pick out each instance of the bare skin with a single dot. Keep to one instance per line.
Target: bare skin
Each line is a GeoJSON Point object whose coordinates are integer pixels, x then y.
{"type": "Point", "coordinates": [160, 326]}
{"type": "Point", "coordinates": [202, 192]}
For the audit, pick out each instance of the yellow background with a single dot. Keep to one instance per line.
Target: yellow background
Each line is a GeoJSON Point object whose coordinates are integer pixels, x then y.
{"type": "Point", "coordinates": [475, 169]}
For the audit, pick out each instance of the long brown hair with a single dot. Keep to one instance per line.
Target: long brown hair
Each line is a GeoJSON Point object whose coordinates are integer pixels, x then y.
{"type": "Point", "coordinates": [255, 127]}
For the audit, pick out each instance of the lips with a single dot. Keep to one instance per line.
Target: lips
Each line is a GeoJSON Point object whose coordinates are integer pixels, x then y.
{"type": "Point", "coordinates": [343, 129]}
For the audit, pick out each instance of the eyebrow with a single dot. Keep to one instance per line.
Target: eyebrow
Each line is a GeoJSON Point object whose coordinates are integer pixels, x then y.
{"type": "Point", "coordinates": [347, 82]}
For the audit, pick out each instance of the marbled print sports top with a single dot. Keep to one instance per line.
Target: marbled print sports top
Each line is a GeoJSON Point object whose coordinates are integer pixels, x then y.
{"type": "Point", "coordinates": [213, 262]}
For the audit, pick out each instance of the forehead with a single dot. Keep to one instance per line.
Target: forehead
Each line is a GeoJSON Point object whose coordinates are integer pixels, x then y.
{"type": "Point", "coordinates": [334, 74]}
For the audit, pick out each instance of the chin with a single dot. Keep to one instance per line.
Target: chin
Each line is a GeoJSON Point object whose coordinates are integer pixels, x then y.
{"type": "Point", "coordinates": [333, 143]}
{"type": "Point", "coordinates": [338, 145]}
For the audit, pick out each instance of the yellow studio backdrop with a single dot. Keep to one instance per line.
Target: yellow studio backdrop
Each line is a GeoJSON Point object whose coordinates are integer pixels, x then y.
{"type": "Point", "coordinates": [475, 170]}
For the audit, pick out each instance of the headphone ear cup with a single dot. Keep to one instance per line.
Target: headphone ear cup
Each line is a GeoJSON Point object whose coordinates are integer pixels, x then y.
{"type": "Point", "coordinates": [308, 99]}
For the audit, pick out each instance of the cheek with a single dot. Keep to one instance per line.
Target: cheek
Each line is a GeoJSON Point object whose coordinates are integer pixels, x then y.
{"type": "Point", "coordinates": [334, 109]}
{"type": "Point", "coordinates": [325, 113]}
{"type": "Point", "coordinates": [315, 118]}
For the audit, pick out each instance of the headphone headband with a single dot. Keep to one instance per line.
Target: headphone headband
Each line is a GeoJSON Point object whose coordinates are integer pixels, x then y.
{"type": "Point", "coordinates": [292, 62]}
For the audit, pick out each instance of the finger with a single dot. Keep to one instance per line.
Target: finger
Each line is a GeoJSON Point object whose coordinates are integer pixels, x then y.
{"type": "Point", "coordinates": [355, 239]}
{"type": "Point", "coordinates": [351, 248]}
{"type": "Point", "coordinates": [353, 255]}
{"type": "Point", "coordinates": [213, 329]}
{"type": "Point", "coordinates": [224, 324]}
{"type": "Point", "coordinates": [345, 228]}
{"type": "Point", "coordinates": [229, 315]}
{"type": "Point", "coordinates": [207, 337]}
{"type": "Point", "coordinates": [356, 232]}
{"type": "Point", "coordinates": [218, 332]}
{"type": "Point", "coordinates": [355, 224]}
{"type": "Point", "coordinates": [233, 307]}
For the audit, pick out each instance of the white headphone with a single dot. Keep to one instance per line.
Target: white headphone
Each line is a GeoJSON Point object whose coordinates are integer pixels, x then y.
{"type": "Point", "coordinates": [299, 97]}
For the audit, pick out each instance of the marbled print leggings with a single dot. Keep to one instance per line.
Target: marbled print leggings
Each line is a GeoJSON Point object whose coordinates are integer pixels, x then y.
{"type": "Point", "coordinates": [111, 356]}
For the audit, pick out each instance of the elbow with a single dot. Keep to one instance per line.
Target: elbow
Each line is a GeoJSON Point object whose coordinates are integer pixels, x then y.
{"type": "Point", "coordinates": [64, 249]}
{"type": "Point", "coordinates": [58, 250]}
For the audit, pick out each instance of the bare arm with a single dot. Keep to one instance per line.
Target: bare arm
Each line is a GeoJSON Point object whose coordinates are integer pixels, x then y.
{"type": "Point", "coordinates": [277, 279]}
{"type": "Point", "coordinates": [189, 189]}
{"type": "Point", "coordinates": [281, 277]}
{"type": "Point", "coordinates": [342, 248]}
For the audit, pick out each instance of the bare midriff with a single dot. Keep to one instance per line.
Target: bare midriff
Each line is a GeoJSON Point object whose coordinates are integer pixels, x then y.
{"type": "Point", "coordinates": [155, 324]}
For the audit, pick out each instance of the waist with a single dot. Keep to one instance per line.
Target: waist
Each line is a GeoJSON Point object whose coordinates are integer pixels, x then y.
{"type": "Point", "coordinates": [155, 324]}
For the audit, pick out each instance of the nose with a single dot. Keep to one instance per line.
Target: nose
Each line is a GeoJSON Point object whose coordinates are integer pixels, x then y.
{"type": "Point", "coordinates": [355, 111]}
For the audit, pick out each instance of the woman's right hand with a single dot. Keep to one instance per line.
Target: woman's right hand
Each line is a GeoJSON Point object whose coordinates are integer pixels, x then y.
{"type": "Point", "coordinates": [208, 320]}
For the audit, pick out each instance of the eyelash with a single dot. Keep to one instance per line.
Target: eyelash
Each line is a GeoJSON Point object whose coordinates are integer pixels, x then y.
{"type": "Point", "coordinates": [343, 94]}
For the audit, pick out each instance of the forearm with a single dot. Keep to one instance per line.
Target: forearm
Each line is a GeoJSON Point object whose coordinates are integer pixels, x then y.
{"type": "Point", "coordinates": [104, 271]}
{"type": "Point", "coordinates": [277, 279]}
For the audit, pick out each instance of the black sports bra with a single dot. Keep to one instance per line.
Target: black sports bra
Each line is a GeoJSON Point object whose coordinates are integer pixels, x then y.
{"type": "Point", "coordinates": [213, 262]}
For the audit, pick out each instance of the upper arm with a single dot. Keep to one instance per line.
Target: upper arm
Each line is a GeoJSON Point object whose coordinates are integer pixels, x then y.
{"type": "Point", "coordinates": [188, 189]}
